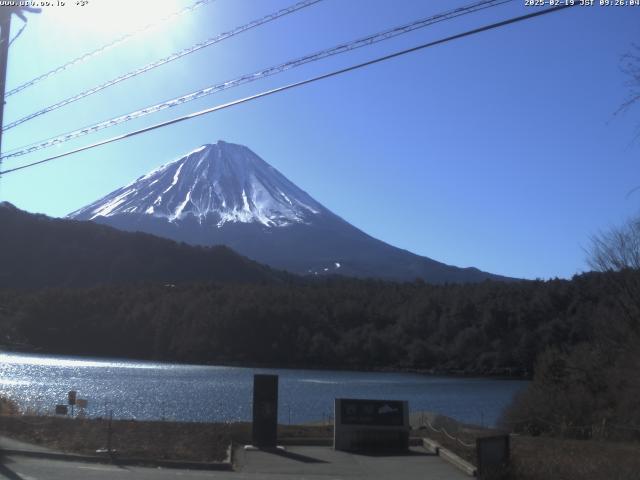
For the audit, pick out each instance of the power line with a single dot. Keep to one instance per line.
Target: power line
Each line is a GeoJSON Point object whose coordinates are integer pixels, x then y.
{"type": "Point", "coordinates": [295, 85]}
{"type": "Point", "coordinates": [108, 46]}
{"type": "Point", "coordinates": [341, 48]}
{"type": "Point", "coordinates": [165, 60]}
{"type": "Point", "coordinates": [24, 25]}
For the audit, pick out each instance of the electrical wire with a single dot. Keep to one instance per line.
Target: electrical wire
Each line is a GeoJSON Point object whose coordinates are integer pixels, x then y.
{"type": "Point", "coordinates": [170, 58]}
{"type": "Point", "coordinates": [338, 49]}
{"type": "Point", "coordinates": [296, 84]}
{"type": "Point", "coordinates": [104, 48]}
{"type": "Point", "coordinates": [24, 25]}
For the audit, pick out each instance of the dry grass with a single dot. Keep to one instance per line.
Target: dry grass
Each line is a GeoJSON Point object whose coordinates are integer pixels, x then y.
{"type": "Point", "coordinates": [538, 458]}
{"type": "Point", "coordinates": [8, 406]}
{"type": "Point", "coordinates": [305, 431]}
{"type": "Point", "coordinates": [546, 458]}
{"type": "Point", "coordinates": [543, 457]}
{"type": "Point", "coordinates": [140, 439]}
{"type": "Point", "coordinates": [162, 440]}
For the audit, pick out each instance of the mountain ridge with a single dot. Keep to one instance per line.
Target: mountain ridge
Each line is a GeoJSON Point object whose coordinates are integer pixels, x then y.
{"type": "Point", "coordinates": [38, 251]}
{"type": "Point", "coordinates": [225, 194]}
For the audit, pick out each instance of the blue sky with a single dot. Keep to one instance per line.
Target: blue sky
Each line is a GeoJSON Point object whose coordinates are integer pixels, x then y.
{"type": "Point", "coordinates": [499, 151]}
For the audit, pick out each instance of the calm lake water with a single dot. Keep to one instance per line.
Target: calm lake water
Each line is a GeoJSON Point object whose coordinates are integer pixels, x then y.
{"type": "Point", "coordinates": [147, 390]}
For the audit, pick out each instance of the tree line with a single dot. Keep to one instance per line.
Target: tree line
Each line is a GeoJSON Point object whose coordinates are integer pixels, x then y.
{"type": "Point", "coordinates": [591, 388]}
{"type": "Point", "coordinates": [489, 328]}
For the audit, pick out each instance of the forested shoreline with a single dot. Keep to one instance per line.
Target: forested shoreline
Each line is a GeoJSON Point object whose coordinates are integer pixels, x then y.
{"type": "Point", "coordinates": [489, 328]}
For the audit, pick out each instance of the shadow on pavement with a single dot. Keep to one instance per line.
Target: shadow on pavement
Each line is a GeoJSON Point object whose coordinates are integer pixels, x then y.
{"type": "Point", "coordinates": [295, 456]}
{"type": "Point", "coordinates": [410, 453]}
{"type": "Point", "coordinates": [6, 472]}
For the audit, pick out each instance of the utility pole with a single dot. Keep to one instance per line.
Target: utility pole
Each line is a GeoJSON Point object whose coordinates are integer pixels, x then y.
{"type": "Point", "coordinates": [5, 29]}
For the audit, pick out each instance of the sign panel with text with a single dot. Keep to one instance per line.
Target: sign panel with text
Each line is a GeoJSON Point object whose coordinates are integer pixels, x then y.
{"type": "Point", "coordinates": [372, 412]}
{"type": "Point", "coordinates": [371, 425]}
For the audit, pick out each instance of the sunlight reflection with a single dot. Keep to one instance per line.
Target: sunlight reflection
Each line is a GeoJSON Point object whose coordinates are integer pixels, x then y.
{"type": "Point", "coordinates": [67, 362]}
{"type": "Point", "coordinates": [112, 16]}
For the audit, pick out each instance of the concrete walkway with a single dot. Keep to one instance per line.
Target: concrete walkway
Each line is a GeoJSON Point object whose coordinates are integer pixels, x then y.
{"type": "Point", "coordinates": [324, 462]}
{"type": "Point", "coordinates": [308, 462]}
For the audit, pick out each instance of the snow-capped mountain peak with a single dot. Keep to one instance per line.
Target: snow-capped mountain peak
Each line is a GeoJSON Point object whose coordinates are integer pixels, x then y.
{"type": "Point", "coordinates": [224, 194]}
{"type": "Point", "coordinates": [220, 182]}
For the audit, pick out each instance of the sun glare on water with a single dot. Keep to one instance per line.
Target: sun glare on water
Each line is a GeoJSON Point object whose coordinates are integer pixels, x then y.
{"type": "Point", "coordinates": [53, 361]}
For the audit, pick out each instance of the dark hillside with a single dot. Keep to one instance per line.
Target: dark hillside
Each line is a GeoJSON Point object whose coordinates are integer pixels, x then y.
{"type": "Point", "coordinates": [38, 251]}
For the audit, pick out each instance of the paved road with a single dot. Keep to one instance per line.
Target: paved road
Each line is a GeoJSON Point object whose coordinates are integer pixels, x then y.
{"type": "Point", "coordinates": [24, 468]}
{"type": "Point", "coordinates": [296, 462]}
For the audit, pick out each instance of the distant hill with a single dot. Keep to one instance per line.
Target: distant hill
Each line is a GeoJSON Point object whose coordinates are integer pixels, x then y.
{"type": "Point", "coordinates": [38, 251]}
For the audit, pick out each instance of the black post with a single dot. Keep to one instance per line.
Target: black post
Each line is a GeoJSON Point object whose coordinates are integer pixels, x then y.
{"type": "Point", "coordinates": [265, 411]}
{"type": "Point", "coordinates": [109, 432]}
{"type": "Point", "coordinates": [72, 397]}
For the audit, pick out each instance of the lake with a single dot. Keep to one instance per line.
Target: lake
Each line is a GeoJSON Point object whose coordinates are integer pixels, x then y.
{"type": "Point", "coordinates": [150, 390]}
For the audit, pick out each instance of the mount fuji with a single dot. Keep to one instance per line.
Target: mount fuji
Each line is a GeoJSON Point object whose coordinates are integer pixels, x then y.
{"type": "Point", "coordinates": [224, 193]}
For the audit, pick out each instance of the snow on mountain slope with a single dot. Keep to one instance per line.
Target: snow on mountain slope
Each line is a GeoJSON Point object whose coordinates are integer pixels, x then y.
{"type": "Point", "coordinates": [222, 182]}
{"type": "Point", "coordinates": [224, 194]}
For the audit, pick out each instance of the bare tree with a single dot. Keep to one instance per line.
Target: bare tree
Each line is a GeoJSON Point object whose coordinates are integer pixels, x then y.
{"type": "Point", "coordinates": [617, 253]}
{"type": "Point", "coordinates": [630, 66]}
{"type": "Point", "coordinates": [618, 249]}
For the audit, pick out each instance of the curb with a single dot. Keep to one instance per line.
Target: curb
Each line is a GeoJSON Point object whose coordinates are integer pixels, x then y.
{"type": "Point", "coordinates": [447, 455]}
{"type": "Point", "coordinates": [457, 462]}
{"type": "Point", "coordinates": [70, 457]}
{"type": "Point", "coordinates": [431, 446]}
